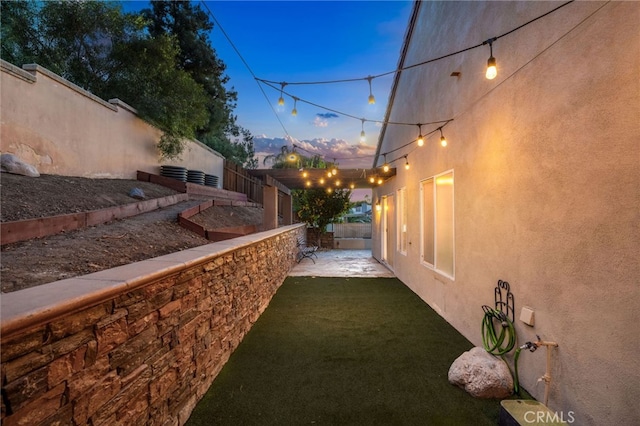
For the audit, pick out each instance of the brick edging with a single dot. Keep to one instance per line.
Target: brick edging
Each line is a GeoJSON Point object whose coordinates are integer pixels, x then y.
{"type": "Point", "coordinates": [216, 234]}
{"type": "Point", "coordinates": [22, 230]}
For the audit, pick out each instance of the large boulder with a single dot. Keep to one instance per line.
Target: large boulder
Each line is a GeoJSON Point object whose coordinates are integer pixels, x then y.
{"type": "Point", "coordinates": [12, 164]}
{"type": "Point", "coordinates": [481, 374]}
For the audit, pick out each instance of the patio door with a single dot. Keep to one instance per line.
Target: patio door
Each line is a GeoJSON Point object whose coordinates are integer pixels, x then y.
{"type": "Point", "coordinates": [388, 229]}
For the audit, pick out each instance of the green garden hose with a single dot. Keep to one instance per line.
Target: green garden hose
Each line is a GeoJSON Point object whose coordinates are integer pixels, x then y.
{"type": "Point", "coordinates": [500, 344]}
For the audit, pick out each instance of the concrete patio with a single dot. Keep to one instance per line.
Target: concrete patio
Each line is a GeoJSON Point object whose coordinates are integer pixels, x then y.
{"type": "Point", "coordinates": [341, 263]}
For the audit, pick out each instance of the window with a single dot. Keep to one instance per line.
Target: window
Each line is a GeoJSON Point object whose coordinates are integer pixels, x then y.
{"type": "Point", "coordinates": [437, 236]}
{"type": "Point", "coordinates": [402, 220]}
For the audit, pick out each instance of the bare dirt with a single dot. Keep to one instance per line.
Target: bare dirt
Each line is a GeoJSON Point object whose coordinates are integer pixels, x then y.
{"type": "Point", "coordinates": [39, 261]}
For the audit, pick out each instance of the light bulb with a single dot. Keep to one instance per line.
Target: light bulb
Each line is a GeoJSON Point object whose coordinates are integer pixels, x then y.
{"type": "Point", "coordinates": [420, 137]}
{"type": "Point", "coordinates": [308, 183]}
{"type": "Point", "coordinates": [294, 112]}
{"type": "Point", "coordinates": [492, 71]}
{"type": "Point", "coordinates": [334, 171]}
{"type": "Point", "coordinates": [379, 181]}
{"type": "Point", "coordinates": [406, 165]}
{"type": "Point", "coordinates": [385, 168]}
{"type": "Point", "coordinates": [443, 141]}
{"type": "Point", "coordinates": [305, 174]}
{"type": "Point", "coordinates": [352, 186]}
{"type": "Point", "coordinates": [372, 99]}
{"type": "Point", "coordinates": [329, 190]}
{"type": "Point", "coordinates": [329, 174]}
{"type": "Point", "coordinates": [281, 101]}
{"type": "Point", "coordinates": [338, 183]}
{"type": "Point", "coordinates": [363, 137]}
{"type": "Point", "coordinates": [372, 179]}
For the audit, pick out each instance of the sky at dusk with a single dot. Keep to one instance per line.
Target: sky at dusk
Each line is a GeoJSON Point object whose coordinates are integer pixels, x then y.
{"type": "Point", "coordinates": [309, 41]}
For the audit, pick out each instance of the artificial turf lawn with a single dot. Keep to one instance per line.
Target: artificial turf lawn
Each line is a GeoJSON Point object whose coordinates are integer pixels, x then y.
{"type": "Point", "coordinates": [344, 351]}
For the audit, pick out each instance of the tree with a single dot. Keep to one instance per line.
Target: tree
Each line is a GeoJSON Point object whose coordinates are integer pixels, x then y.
{"type": "Point", "coordinates": [107, 52]}
{"type": "Point", "coordinates": [164, 95]}
{"type": "Point", "coordinates": [290, 159]}
{"type": "Point", "coordinates": [240, 151]}
{"type": "Point", "coordinates": [190, 26]}
{"type": "Point", "coordinates": [319, 207]}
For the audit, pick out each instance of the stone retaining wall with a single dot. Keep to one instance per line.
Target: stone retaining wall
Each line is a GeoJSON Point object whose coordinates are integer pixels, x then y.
{"type": "Point", "coordinates": [139, 348]}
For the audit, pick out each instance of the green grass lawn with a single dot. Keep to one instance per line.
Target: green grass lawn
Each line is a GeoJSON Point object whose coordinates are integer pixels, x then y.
{"type": "Point", "coordinates": [344, 351]}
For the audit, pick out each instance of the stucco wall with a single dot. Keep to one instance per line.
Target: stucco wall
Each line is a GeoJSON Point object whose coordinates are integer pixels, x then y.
{"type": "Point", "coordinates": [64, 130]}
{"type": "Point", "coordinates": [138, 344]}
{"type": "Point", "coordinates": [547, 185]}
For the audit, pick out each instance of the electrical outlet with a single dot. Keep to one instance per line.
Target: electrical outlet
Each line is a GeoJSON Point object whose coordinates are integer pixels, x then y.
{"type": "Point", "coordinates": [527, 315]}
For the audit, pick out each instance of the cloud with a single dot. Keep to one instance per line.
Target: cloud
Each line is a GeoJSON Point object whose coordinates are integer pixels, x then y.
{"type": "Point", "coordinates": [347, 155]}
{"type": "Point", "coordinates": [327, 115]}
{"type": "Point", "coordinates": [319, 122]}
{"type": "Point", "coordinates": [321, 119]}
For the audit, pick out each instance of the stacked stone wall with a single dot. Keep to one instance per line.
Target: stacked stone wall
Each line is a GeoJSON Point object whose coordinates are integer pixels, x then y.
{"type": "Point", "coordinates": [144, 356]}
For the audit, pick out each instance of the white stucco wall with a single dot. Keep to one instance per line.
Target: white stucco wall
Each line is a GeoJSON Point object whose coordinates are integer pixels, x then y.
{"type": "Point", "coordinates": [547, 185]}
{"type": "Point", "coordinates": [64, 130]}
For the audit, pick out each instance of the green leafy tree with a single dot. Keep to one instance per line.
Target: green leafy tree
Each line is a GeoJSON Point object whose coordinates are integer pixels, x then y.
{"type": "Point", "coordinates": [289, 158]}
{"type": "Point", "coordinates": [111, 54]}
{"type": "Point", "coordinates": [319, 207]}
{"type": "Point", "coordinates": [240, 151]}
{"type": "Point", "coordinates": [190, 26]}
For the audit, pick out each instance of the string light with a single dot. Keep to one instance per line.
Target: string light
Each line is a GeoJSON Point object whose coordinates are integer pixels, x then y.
{"type": "Point", "coordinates": [352, 186]}
{"type": "Point", "coordinates": [372, 179]}
{"type": "Point", "coordinates": [372, 99]}
{"type": "Point", "coordinates": [492, 71]}
{"type": "Point", "coordinates": [380, 181]}
{"type": "Point", "coordinates": [334, 170]}
{"type": "Point", "coordinates": [281, 99]}
{"type": "Point", "coordinates": [385, 166]}
{"type": "Point", "coordinates": [420, 137]}
{"type": "Point", "coordinates": [363, 137]}
{"type": "Point", "coordinates": [329, 174]}
{"type": "Point", "coordinates": [443, 140]}
{"type": "Point", "coordinates": [378, 206]}
{"type": "Point", "coordinates": [294, 111]}
{"type": "Point", "coordinates": [406, 164]}
{"type": "Point", "coordinates": [321, 181]}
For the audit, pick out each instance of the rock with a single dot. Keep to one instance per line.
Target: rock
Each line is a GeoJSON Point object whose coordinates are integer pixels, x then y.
{"type": "Point", "coordinates": [137, 193]}
{"type": "Point", "coordinates": [481, 374]}
{"type": "Point", "coordinates": [12, 164]}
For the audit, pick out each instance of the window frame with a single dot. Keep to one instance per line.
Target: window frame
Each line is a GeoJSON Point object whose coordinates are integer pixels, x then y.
{"type": "Point", "coordinates": [434, 227]}
{"type": "Point", "coordinates": [402, 220]}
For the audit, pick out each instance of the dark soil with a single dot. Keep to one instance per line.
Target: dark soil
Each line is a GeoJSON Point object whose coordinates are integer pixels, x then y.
{"type": "Point", "coordinates": [39, 261]}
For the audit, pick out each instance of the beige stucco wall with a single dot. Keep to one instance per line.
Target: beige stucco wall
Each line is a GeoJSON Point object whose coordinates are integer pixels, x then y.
{"type": "Point", "coordinates": [64, 130]}
{"type": "Point", "coordinates": [547, 186]}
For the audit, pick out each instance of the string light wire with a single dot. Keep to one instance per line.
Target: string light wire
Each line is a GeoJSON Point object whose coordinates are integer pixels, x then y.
{"type": "Point", "coordinates": [399, 69]}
